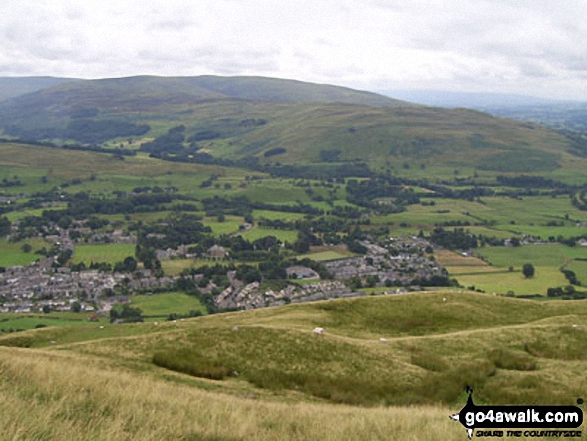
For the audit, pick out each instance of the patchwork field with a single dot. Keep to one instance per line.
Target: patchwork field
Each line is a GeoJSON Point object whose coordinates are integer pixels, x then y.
{"type": "Point", "coordinates": [542, 255]}
{"type": "Point", "coordinates": [500, 272]}
{"type": "Point", "coordinates": [504, 282]}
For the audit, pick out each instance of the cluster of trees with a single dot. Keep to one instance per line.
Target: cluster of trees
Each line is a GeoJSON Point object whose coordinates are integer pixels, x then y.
{"type": "Point", "coordinates": [274, 152]}
{"type": "Point", "coordinates": [177, 230]}
{"type": "Point", "coordinates": [92, 131]}
{"type": "Point", "coordinates": [317, 171]}
{"type": "Point", "coordinates": [170, 143]}
{"type": "Point", "coordinates": [578, 139]}
{"type": "Point", "coordinates": [204, 135]}
{"type": "Point", "coordinates": [81, 205]}
{"type": "Point", "coordinates": [457, 239]}
{"type": "Point", "coordinates": [85, 130]}
{"type": "Point", "coordinates": [571, 276]}
{"type": "Point", "coordinates": [126, 314]}
{"type": "Point", "coordinates": [567, 292]}
{"type": "Point", "coordinates": [242, 206]}
{"type": "Point", "coordinates": [579, 199]}
{"type": "Point", "coordinates": [5, 226]}
{"type": "Point", "coordinates": [14, 182]}
{"type": "Point", "coordinates": [364, 193]}
{"type": "Point", "coordinates": [525, 181]}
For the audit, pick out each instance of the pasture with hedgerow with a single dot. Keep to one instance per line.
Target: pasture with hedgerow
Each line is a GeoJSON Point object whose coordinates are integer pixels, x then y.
{"type": "Point", "coordinates": [235, 258]}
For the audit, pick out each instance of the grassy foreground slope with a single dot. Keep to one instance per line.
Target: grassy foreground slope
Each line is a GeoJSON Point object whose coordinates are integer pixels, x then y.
{"type": "Point", "coordinates": [280, 381]}
{"type": "Point", "coordinates": [60, 396]}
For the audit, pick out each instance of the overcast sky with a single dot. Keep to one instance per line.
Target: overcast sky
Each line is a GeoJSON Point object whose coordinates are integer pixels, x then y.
{"type": "Point", "coordinates": [533, 47]}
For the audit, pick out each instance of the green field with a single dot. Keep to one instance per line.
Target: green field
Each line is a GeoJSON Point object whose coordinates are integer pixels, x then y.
{"type": "Point", "coordinates": [230, 225]}
{"type": "Point", "coordinates": [163, 304]}
{"type": "Point", "coordinates": [496, 278]}
{"type": "Point", "coordinates": [503, 282]}
{"type": "Point", "coordinates": [539, 255]}
{"type": "Point", "coordinates": [31, 321]}
{"type": "Point", "coordinates": [502, 217]}
{"type": "Point", "coordinates": [259, 232]}
{"type": "Point", "coordinates": [324, 256]}
{"type": "Point", "coordinates": [274, 215]}
{"type": "Point", "coordinates": [11, 253]}
{"type": "Point", "coordinates": [14, 216]}
{"type": "Point", "coordinates": [108, 253]}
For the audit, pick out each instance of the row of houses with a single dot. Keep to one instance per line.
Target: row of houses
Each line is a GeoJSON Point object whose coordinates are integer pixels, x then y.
{"type": "Point", "coordinates": [405, 264]}
{"type": "Point", "coordinates": [252, 296]}
{"type": "Point", "coordinates": [29, 289]}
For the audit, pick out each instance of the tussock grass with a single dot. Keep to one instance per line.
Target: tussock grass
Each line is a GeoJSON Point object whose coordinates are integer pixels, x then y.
{"type": "Point", "coordinates": [61, 397]}
{"type": "Point", "coordinates": [192, 363]}
{"type": "Point", "coordinates": [511, 351]}
{"type": "Point", "coordinates": [517, 361]}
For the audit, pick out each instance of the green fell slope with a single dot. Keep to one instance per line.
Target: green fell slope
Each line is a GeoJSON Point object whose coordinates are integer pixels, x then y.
{"type": "Point", "coordinates": [287, 122]}
{"type": "Point", "coordinates": [416, 349]}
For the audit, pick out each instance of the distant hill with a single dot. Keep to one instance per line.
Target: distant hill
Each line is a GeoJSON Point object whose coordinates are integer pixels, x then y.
{"type": "Point", "coordinates": [279, 122]}
{"type": "Point", "coordinates": [11, 87]}
{"type": "Point", "coordinates": [557, 114]}
{"type": "Point", "coordinates": [469, 100]}
{"type": "Point", "coordinates": [567, 116]}
{"type": "Point", "coordinates": [148, 92]}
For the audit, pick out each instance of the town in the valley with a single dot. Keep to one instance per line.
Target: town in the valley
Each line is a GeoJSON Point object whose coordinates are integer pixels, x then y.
{"type": "Point", "coordinates": [399, 264]}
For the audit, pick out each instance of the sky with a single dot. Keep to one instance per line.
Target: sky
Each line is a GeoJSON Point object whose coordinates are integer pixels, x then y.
{"type": "Point", "coordinates": [530, 47]}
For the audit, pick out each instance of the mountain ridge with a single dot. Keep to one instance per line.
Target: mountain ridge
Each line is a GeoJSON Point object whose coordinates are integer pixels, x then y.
{"type": "Point", "coordinates": [279, 122]}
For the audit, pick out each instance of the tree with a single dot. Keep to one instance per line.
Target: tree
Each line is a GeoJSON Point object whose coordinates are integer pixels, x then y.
{"type": "Point", "coordinates": [515, 242]}
{"type": "Point", "coordinates": [76, 307]}
{"type": "Point", "coordinates": [128, 265]}
{"type": "Point", "coordinates": [528, 270]}
{"type": "Point", "coordinates": [64, 256]}
{"type": "Point", "coordinates": [126, 315]}
{"type": "Point", "coordinates": [5, 226]}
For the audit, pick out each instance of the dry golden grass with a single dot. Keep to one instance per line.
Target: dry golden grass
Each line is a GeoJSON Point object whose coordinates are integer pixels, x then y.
{"type": "Point", "coordinates": [450, 258]}
{"type": "Point", "coordinates": [103, 385]}
{"type": "Point", "coordinates": [58, 396]}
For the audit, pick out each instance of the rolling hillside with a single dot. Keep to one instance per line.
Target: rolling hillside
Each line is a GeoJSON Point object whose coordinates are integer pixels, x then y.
{"type": "Point", "coordinates": [11, 87]}
{"type": "Point", "coordinates": [286, 122]}
{"type": "Point", "coordinates": [148, 93]}
{"type": "Point", "coordinates": [267, 367]}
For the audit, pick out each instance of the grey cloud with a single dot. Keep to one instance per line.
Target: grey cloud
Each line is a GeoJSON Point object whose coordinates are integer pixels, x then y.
{"type": "Point", "coordinates": [534, 69]}
{"type": "Point", "coordinates": [482, 43]}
